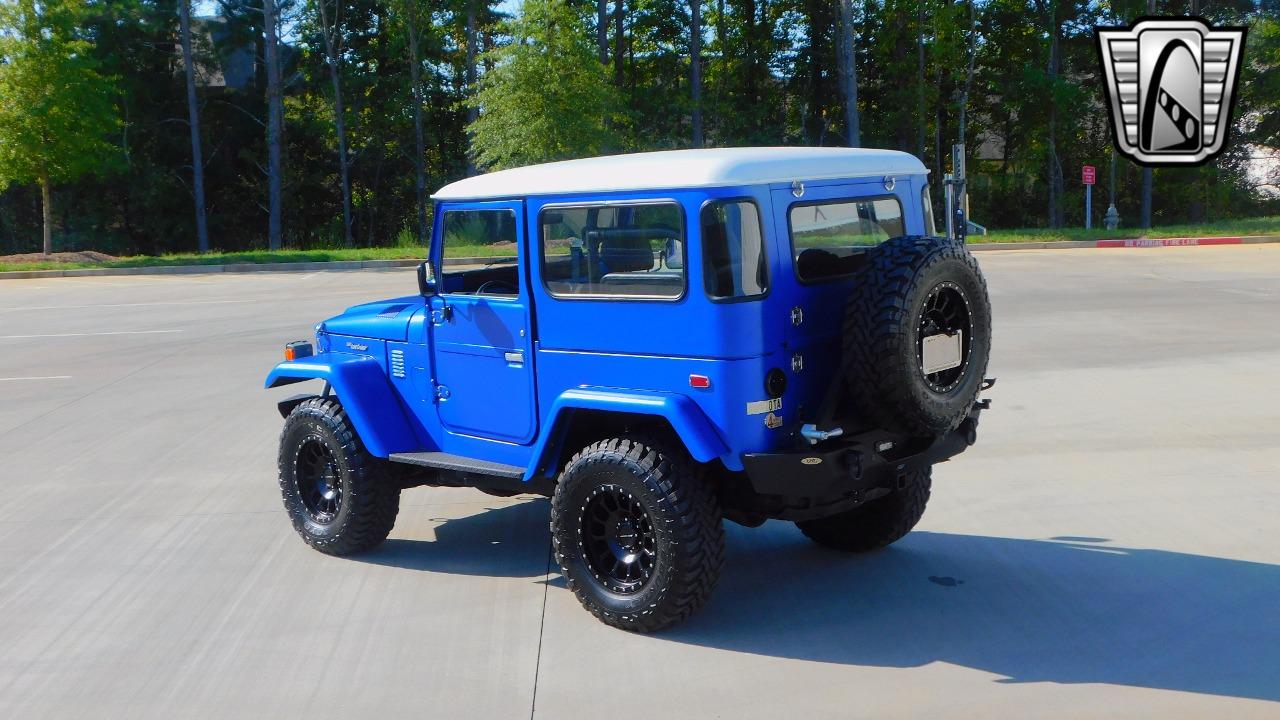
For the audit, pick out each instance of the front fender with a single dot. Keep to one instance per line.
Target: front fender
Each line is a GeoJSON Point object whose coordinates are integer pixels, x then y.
{"type": "Point", "coordinates": [365, 393]}
{"type": "Point", "coordinates": [687, 419]}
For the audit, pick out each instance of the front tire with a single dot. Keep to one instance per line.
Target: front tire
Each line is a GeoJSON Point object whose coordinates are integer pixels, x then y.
{"type": "Point", "coordinates": [878, 523]}
{"type": "Point", "coordinates": [340, 499]}
{"type": "Point", "coordinates": [637, 533]}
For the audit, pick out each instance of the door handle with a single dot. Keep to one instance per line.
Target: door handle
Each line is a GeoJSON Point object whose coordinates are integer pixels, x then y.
{"type": "Point", "coordinates": [514, 357]}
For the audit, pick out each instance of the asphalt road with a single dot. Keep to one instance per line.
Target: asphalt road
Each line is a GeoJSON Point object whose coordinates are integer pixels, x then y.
{"type": "Point", "coordinates": [1108, 549]}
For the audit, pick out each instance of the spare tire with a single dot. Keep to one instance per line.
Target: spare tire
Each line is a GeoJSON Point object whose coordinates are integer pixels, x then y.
{"type": "Point", "coordinates": [909, 290]}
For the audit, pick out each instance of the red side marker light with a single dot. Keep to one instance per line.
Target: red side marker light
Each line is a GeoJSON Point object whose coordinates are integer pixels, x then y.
{"type": "Point", "coordinates": [699, 381]}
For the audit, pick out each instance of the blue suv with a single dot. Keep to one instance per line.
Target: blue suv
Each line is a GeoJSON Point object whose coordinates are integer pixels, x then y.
{"type": "Point", "coordinates": [661, 342]}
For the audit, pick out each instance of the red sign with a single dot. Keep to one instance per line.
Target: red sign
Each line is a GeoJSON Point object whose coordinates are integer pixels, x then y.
{"type": "Point", "coordinates": [1089, 175]}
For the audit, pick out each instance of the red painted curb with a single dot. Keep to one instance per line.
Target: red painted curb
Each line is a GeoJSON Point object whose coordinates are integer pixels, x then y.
{"type": "Point", "coordinates": [1169, 242]}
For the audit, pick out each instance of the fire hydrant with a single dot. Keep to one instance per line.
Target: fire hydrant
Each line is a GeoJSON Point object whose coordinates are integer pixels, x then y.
{"type": "Point", "coordinates": [1112, 218]}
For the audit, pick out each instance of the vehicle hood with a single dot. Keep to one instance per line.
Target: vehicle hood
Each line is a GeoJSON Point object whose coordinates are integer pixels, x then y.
{"type": "Point", "coordinates": [382, 320]}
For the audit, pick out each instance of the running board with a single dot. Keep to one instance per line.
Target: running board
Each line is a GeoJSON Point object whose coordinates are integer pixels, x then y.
{"type": "Point", "coordinates": [458, 463]}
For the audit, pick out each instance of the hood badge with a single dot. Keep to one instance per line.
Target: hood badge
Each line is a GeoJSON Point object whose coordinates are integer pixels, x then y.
{"type": "Point", "coordinates": [357, 347]}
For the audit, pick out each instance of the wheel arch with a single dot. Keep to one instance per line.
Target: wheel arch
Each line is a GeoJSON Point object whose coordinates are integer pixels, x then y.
{"type": "Point", "coordinates": [362, 387]}
{"type": "Point", "coordinates": [581, 416]}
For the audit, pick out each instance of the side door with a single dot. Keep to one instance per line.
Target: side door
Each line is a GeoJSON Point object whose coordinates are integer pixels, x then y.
{"type": "Point", "coordinates": [479, 324]}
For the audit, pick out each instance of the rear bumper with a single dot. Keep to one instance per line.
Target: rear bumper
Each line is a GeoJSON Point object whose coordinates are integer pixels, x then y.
{"type": "Point", "coordinates": [853, 466]}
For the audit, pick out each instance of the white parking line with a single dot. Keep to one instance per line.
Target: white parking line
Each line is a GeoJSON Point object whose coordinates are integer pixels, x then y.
{"type": "Point", "coordinates": [91, 334]}
{"type": "Point", "coordinates": [49, 377]}
{"type": "Point", "coordinates": [126, 305]}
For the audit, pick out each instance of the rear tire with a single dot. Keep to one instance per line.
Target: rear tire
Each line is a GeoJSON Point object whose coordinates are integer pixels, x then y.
{"type": "Point", "coordinates": [340, 499]}
{"type": "Point", "coordinates": [637, 533]}
{"type": "Point", "coordinates": [876, 524]}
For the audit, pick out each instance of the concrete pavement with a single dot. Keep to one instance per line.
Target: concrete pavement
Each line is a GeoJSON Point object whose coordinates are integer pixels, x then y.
{"type": "Point", "coordinates": [1108, 549]}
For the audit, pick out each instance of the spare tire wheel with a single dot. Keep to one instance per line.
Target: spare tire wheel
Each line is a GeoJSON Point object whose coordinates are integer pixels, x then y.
{"type": "Point", "coordinates": [917, 335]}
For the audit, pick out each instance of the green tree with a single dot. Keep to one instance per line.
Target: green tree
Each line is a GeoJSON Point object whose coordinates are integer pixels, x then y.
{"type": "Point", "coordinates": [55, 107]}
{"type": "Point", "coordinates": [547, 96]}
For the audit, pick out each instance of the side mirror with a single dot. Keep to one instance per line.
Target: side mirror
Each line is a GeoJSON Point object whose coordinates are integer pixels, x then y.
{"type": "Point", "coordinates": [427, 278]}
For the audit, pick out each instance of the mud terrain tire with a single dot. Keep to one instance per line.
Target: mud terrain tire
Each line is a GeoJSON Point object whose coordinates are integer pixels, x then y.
{"type": "Point", "coordinates": [910, 288]}
{"type": "Point", "coordinates": [876, 524]}
{"type": "Point", "coordinates": [340, 499]}
{"type": "Point", "coordinates": [636, 497]}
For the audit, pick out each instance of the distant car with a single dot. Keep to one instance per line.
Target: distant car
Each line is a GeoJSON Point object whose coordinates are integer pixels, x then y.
{"type": "Point", "coordinates": [676, 338]}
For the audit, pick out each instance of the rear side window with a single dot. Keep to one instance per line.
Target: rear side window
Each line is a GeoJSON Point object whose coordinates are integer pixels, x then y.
{"type": "Point", "coordinates": [926, 202]}
{"type": "Point", "coordinates": [634, 250]}
{"type": "Point", "coordinates": [828, 238]}
{"type": "Point", "coordinates": [733, 263]}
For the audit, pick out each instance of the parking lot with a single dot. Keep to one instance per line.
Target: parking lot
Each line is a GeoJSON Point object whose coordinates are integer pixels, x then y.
{"type": "Point", "coordinates": [1107, 549]}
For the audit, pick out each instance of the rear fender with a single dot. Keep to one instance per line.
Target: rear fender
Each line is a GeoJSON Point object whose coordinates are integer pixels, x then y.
{"type": "Point", "coordinates": [686, 418]}
{"type": "Point", "coordinates": [365, 393]}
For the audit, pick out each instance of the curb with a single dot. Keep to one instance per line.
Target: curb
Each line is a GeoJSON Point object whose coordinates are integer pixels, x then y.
{"type": "Point", "coordinates": [392, 264]}
{"type": "Point", "coordinates": [1130, 243]}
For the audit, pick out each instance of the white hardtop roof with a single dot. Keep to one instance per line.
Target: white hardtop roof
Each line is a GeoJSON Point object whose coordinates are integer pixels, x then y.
{"type": "Point", "coordinates": [680, 169]}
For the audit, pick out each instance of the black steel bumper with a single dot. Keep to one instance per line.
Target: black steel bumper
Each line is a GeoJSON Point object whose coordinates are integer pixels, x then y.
{"type": "Point", "coordinates": [852, 466]}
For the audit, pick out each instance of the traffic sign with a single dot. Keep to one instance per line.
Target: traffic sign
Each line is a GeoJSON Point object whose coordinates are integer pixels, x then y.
{"type": "Point", "coordinates": [1088, 175]}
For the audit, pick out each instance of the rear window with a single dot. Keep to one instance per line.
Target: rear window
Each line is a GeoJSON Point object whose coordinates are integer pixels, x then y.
{"type": "Point", "coordinates": [828, 238]}
{"type": "Point", "coordinates": [634, 250]}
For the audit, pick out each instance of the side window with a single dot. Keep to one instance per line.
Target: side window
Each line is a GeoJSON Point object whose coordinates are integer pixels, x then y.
{"type": "Point", "coordinates": [926, 202]}
{"type": "Point", "coordinates": [481, 233]}
{"type": "Point", "coordinates": [828, 238]}
{"type": "Point", "coordinates": [733, 262]}
{"type": "Point", "coordinates": [634, 250]}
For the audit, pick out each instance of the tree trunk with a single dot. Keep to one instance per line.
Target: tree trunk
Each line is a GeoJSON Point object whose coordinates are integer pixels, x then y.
{"type": "Point", "coordinates": [275, 119]}
{"type": "Point", "coordinates": [419, 144]}
{"type": "Point", "coordinates": [695, 68]}
{"type": "Point", "coordinates": [332, 30]}
{"type": "Point", "coordinates": [968, 78]}
{"type": "Point", "coordinates": [193, 119]}
{"type": "Point", "coordinates": [602, 30]}
{"type": "Point", "coordinates": [920, 80]}
{"type": "Point", "coordinates": [1147, 180]}
{"type": "Point", "coordinates": [1055, 163]}
{"type": "Point", "coordinates": [470, 74]}
{"type": "Point", "coordinates": [847, 58]}
{"type": "Point", "coordinates": [618, 6]}
{"type": "Point", "coordinates": [46, 203]}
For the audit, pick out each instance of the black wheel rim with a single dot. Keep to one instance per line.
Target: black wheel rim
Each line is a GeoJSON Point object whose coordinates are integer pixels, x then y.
{"type": "Point", "coordinates": [616, 538]}
{"type": "Point", "coordinates": [319, 480]}
{"type": "Point", "coordinates": [945, 311]}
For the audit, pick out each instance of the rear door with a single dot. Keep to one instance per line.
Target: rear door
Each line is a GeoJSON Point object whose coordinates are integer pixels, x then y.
{"type": "Point", "coordinates": [822, 237]}
{"type": "Point", "coordinates": [479, 324]}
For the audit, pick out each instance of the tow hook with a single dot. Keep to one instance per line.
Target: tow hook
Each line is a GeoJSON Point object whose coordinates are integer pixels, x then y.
{"type": "Point", "coordinates": [815, 436]}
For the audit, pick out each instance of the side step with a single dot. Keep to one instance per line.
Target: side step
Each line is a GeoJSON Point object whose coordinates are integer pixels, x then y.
{"type": "Point", "coordinates": [458, 463]}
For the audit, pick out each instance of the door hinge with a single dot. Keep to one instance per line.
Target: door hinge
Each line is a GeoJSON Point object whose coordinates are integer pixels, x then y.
{"type": "Point", "coordinates": [442, 392]}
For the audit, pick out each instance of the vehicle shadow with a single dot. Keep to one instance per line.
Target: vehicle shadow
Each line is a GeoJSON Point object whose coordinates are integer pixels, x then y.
{"type": "Point", "coordinates": [510, 540]}
{"type": "Point", "coordinates": [1064, 610]}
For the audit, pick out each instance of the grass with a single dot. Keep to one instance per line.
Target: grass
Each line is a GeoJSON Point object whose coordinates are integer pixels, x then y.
{"type": "Point", "coordinates": [1250, 226]}
{"type": "Point", "coordinates": [259, 257]}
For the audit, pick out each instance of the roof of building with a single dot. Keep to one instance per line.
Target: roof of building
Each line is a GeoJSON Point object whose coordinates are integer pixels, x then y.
{"type": "Point", "coordinates": [675, 169]}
